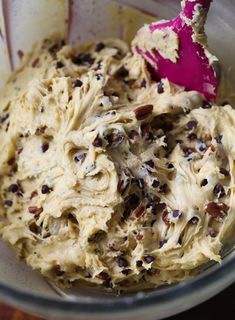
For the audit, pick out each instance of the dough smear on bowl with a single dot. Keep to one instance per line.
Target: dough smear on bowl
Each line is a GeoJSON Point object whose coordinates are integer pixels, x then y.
{"type": "Point", "coordinates": [108, 176]}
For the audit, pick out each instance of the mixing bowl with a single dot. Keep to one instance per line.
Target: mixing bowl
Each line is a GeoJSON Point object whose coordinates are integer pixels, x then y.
{"type": "Point", "coordinates": [22, 23]}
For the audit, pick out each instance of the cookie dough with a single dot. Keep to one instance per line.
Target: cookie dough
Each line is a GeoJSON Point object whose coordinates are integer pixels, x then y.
{"type": "Point", "coordinates": [107, 176]}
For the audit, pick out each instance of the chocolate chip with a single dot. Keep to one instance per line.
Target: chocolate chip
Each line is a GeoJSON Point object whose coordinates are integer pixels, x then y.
{"type": "Point", "coordinates": [219, 190]}
{"type": "Point", "coordinates": [35, 210]}
{"type": "Point", "coordinates": [59, 65]}
{"type": "Point", "coordinates": [204, 183]}
{"type": "Point", "coordinates": [163, 188]}
{"type": "Point", "coordinates": [224, 172]}
{"type": "Point", "coordinates": [192, 136]}
{"type": "Point", "coordinates": [114, 139]}
{"type": "Point", "coordinates": [13, 188]}
{"type": "Point", "coordinates": [149, 259]}
{"type": "Point", "coordinates": [143, 111]}
{"type": "Point", "coordinates": [77, 83]}
{"type": "Point", "coordinates": [83, 59]}
{"type": "Point", "coordinates": [97, 237]}
{"type": "Point", "coordinates": [192, 125]}
{"type": "Point", "coordinates": [170, 166]}
{"type": "Point", "coordinates": [219, 139]}
{"type": "Point", "coordinates": [126, 271]}
{"type": "Point", "coordinates": [206, 105]}
{"type": "Point", "coordinates": [162, 242]}
{"type": "Point", "coordinates": [58, 271]}
{"type": "Point", "coordinates": [45, 189]}
{"type": "Point", "coordinates": [4, 117]}
{"type": "Point", "coordinates": [216, 210]}
{"type": "Point", "coordinates": [202, 146]}
{"type": "Point", "coordinates": [139, 263]}
{"type": "Point", "coordinates": [188, 151]}
{"type": "Point", "coordinates": [99, 76]}
{"type": "Point", "coordinates": [45, 147]}
{"type": "Point", "coordinates": [194, 220]}
{"type": "Point", "coordinates": [160, 88]}
{"type": "Point", "coordinates": [122, 72]}
{"type": "Point", "coordinates": [149, 163]}
{"type": "Point", "coordinates": [8, 203]}
{"type": "Point", "coordinates": [79, 157]}
{"type": "Point", "coordinates": [155, 183]}
{"type": "Point", "coordinates": [97, 142]}
{"type": "Point", "coordinates": [143, 83]}
{"type": "Point", "coordinates": [176, 213]}
{"type": "Point", "coordinates": [100, 46]}
{"type": "Point", "coordinates": [122, 263]}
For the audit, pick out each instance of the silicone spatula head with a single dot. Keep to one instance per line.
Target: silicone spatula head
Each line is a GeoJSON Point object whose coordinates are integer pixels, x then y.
{"type": "Point", "coordinates": [176, 49]}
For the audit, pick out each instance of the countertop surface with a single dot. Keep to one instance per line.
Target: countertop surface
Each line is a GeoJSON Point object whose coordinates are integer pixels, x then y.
{"type": "Point", "coordinates": [220, 307]}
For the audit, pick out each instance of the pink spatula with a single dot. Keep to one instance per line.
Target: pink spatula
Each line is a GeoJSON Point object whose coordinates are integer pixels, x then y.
{"type": "Point", "coordinates": [191, 68]}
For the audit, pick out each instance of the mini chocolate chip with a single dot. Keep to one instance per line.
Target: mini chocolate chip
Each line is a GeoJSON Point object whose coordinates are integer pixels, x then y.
{"type": "Point", "coordinates": [139, 263]}
{"type": "Point", "coordinates": [163, 188]}
{"type": "Point", "coordinates": [58, 271]}
{"type": "Point", "coordinates": [155, 183]}
{"type": "Point", "coordinates": [45, 147]}
{"type": "Point", "coordinates": [188, 151]}
{"type": "Point", "coordinates": [143, 111]}
{"type": "Point", "coordinates": [83, 59]}
{"type": "Point", "coordinates": [170, 166]}
{"type": "Point", "coordinates": [8, 203]}
{"type": "Point", "coordinates": [204, 183]}
{"type": "Point", "coordinates": [192, 125]}
{"type": "Point", "coordinates": [59, 65]}
{"type": "Point", "coordinates": [13, 188]}
{"type": "Point", "coordinates": [202, 146]}
{"type": "Point", "coordinates": [77, 83]}
{"type": "Point", "coordinates": [192, 136]}
{"type": "Point", "coordinates": [206, 105]}
{"type": "Point", "coordinates": [219, 139]}
{"type": "Point", "coordinates": [219, 190]}
{"type": "Point", "coordinates": [45, 189]}
{"type": "Point", "coordinates": [4, 117]}
{"type": "Point", "coordinates": [160, 88]}
{"type": "Point", "coordinates": [176, 213]}
{"type": "Point", "coordinates": [114, 139]}
{"type": "Point", "coordinates": [100, 46]}
{"type": "Point", "coordinates": [79, 157]}
{"type": "Point", "coordinates": [99, 76]}
{"type": "Point", "coordinates": [122, 72]}
{"type": "Point", "coordinates": [143, 83]}
{"type": "Point", "coordinates": [149, 163]}
{"type": "Point", "coordinates": [103, 276]}
{"type": "Point", "coordinates": [149, 259]}
{"type": "Point", "coordinates": [126, 272]}
{"type": "Point", "coordinates": [97, 142]}
{"type": "Point", "coordinates": [224, 172]}
{"type": "Point", "coordinates": [194, 220]}
{"type": "Point", "coordinates": [33, 194]}
{"type": "Point", "coordinates": [122, 263]}
{"type": "Point", "coordinates": [162, 242]}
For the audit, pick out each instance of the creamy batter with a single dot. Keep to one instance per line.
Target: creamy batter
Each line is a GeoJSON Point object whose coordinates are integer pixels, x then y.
{"type": "Point", "coordinates": [108, 176]}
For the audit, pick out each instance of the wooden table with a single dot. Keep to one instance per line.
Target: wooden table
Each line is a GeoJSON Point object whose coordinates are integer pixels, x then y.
{"type": "Point", "coordinates": [8, 313]}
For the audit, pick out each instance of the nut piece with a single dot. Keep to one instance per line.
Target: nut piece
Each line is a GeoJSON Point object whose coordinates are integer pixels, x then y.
{"type": "Point", "coordinates": [143, 112]}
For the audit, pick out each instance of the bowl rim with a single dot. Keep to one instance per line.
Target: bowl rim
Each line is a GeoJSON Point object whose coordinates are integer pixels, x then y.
{"type": "Point", "coordinates": [212, 280]}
